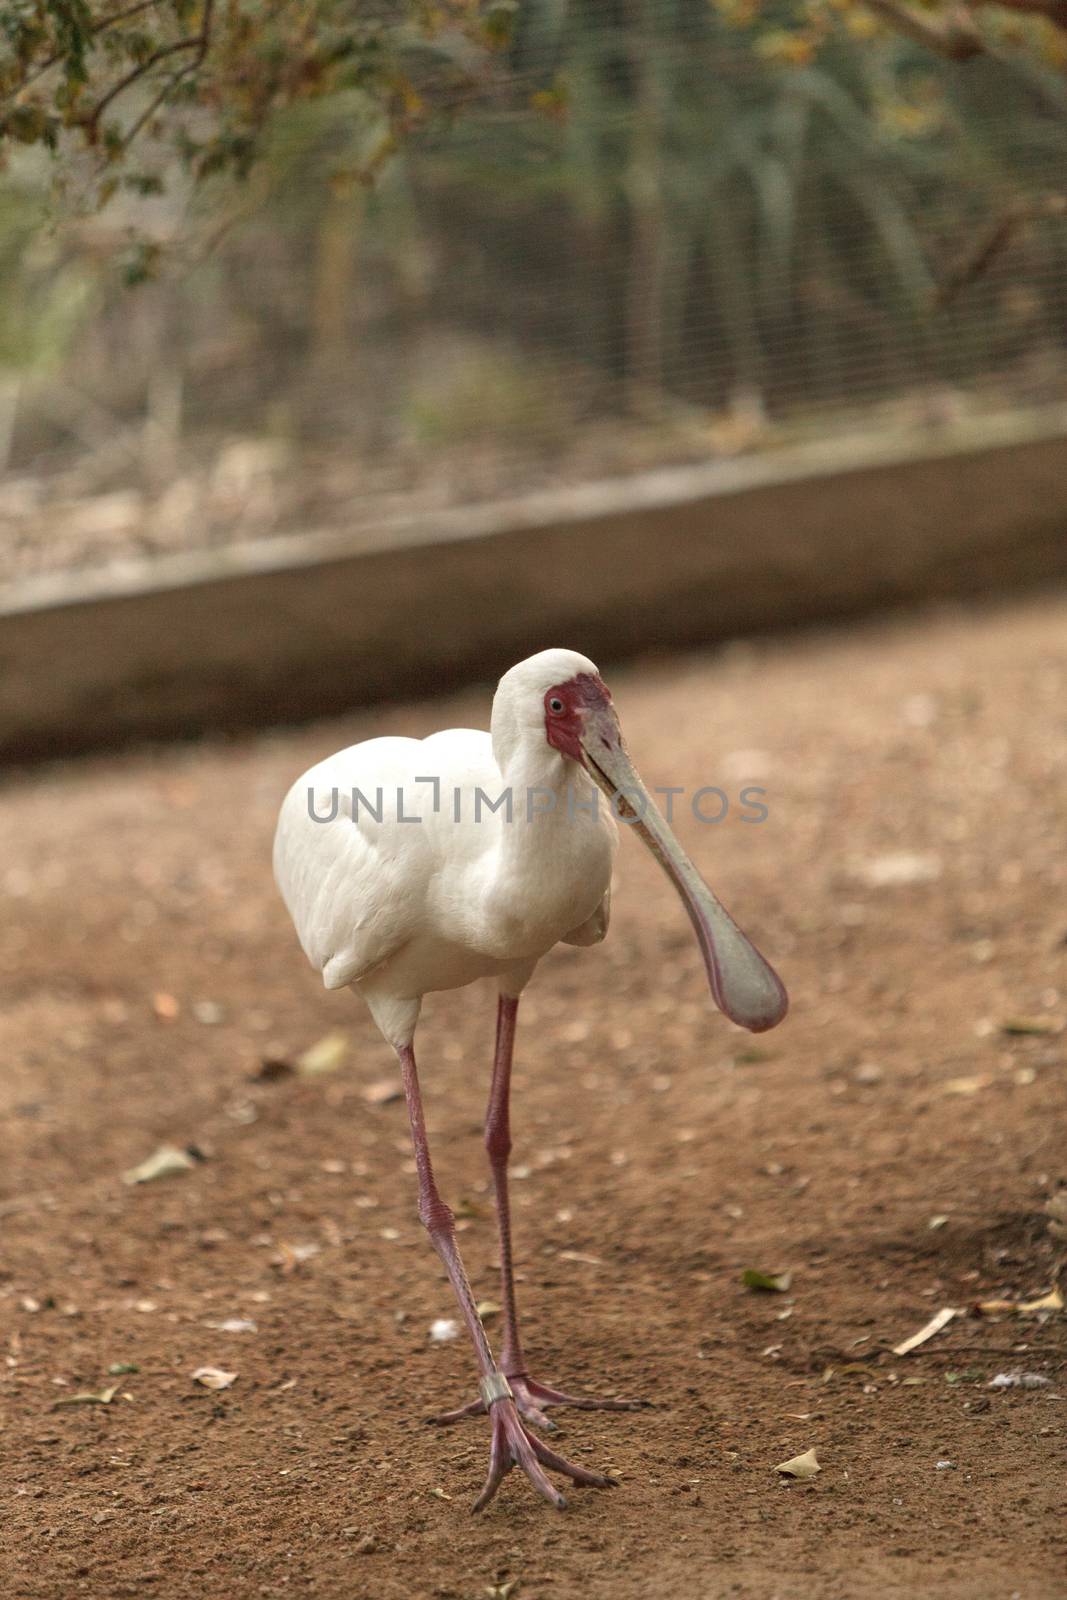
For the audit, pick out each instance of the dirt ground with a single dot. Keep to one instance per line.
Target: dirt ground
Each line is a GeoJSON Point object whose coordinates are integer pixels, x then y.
{"type": "Point", "coordinates": [892, 1146]}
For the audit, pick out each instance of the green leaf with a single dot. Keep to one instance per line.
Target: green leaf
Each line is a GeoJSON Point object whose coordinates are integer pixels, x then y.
{"type": "Point", "coordinates": [27, 124]}
{"type": "Point", "coordinates": [141, 265]}
{"type": "Point", "coordinates": [499, 23]}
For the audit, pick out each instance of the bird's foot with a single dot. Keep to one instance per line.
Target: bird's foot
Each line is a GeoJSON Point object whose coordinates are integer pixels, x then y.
{"type": "Point", "coordinates": [532, 1399]}
{"type": "Point", "coordinates": [515, 1446]}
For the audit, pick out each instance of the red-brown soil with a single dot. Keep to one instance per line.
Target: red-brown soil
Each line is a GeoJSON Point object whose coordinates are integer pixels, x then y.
{"type": "Point", "coordinates": [660, 1153]}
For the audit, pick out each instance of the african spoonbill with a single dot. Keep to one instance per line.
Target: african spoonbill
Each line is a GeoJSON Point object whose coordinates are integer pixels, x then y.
{"type": "Point", "coordinates": [413, 865]}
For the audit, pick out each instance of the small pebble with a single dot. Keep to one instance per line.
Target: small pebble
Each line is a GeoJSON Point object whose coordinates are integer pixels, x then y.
{"type": "Point", "coordinates": [209, 1012]}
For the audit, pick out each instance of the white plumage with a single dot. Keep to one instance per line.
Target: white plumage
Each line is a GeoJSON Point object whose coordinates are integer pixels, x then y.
{"type": "Point", "coordinates": [416, 864]}
{"type": "Point", "coordinates": [398, 908]}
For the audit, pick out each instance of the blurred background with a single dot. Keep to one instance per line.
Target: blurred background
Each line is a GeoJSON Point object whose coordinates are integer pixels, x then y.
{"type": "Point", "coordinates": [642, 234]}
{"type": "Point", "coordinates": [725, 343]}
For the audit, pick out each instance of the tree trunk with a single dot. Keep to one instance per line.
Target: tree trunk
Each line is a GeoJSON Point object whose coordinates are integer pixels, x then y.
{"type": "Point", "coordinates": [645, 268]}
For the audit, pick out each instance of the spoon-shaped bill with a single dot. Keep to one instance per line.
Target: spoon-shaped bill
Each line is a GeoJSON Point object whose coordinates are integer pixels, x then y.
{"type": "Point", "coordinates": [745, 986]}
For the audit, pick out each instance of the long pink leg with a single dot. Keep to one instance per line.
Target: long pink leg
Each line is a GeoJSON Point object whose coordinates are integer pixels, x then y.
{"type": "Point", "coordinates": [530, 1395]}
{"type": "Point", "coordinates": [511, 1444]}
{"type": "Point", "coordinates": [498, 1147]}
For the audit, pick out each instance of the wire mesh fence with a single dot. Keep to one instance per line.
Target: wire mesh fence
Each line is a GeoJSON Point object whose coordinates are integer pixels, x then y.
{"type": "Point", "coordinates": [652, 235]}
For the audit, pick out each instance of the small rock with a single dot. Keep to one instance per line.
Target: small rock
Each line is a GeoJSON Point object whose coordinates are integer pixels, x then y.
{"type": "Point", "coordinates": [209, 1012]}
{"type": "Point", "coordinates": [384, 1092]}
{"type": "Point", "coordinates": [919, 710]}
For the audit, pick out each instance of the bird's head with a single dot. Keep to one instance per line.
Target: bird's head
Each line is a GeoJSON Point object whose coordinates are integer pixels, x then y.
{"type": "Point", "coordinates": [566, 693]}
{"type": "Point", "coordinates": [578, 711]}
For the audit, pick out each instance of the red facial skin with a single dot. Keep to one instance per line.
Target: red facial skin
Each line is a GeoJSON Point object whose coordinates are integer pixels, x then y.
{"type": "Point", "coordinates": [581, 695]}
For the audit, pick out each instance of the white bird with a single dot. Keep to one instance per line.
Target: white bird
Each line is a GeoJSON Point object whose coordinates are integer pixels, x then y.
{"type": "Point", "coordinates": [412, 865]}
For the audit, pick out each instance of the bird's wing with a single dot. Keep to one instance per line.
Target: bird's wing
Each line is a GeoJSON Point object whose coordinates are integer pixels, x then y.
{"type": "Point", "coordinates": [594, 928]}
{"type": "Point", "coordinates": [354, 885]}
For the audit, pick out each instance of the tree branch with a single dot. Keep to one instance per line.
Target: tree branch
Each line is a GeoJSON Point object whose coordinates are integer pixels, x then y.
{"type": "Point", "coordinates": [203, 43]}
{"type": "Point", "coordinates": [951, 34]}
{"type": "Point", "coordinates": [1008, 225]}
{"type": "Point", "coordinates": [92, 121]}
{"type": "Point", "coordinates": [1054, 10]}
{"type": "Point", "coordinates": [97, 28]}
{"type": "Point", "coordinates": [200, 42]}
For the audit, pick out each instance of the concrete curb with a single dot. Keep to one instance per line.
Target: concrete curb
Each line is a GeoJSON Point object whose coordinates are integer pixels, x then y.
{"type": "Point", "coordinates": [311, 624]}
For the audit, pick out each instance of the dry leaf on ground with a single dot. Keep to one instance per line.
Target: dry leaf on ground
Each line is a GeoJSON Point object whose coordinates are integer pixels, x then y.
{"type": "Point", "coordinates": [1020, 1026]}
{"type": "Point", "coordinates": [898, 869]}
{"type": "Point", "coordinates": [214, 1377]}
{"type": "Point", "coordinates": [292, 1256]}
{"type": "Point", "coordinates": [103, 1398]}
{"type": "Point", "coordinates": [383, 1093]}
{"type": "Point", "coordinates": [165, 1162]}
{"type": "Point", "coordinates": [776, 1282]}
{"type": "Point", "coordinates": [805, 1466]}
{"type": "Point", "coordinates": [1053, 1301]}
{"type": "Point", "coordinates": [325, 1055]}
{"type": "Point", "coordinates": [935, 1324]}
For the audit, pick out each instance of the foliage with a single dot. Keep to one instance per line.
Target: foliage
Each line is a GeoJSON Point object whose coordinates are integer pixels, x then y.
{"type": "Point", "coordinates": [202, 78]}
{"type": "Point", "coordinates": [958, 30]}
{"type": "Point", "coordinates": [46, 294]}
{"type": "Point", "coordinates": [650, 206]}
{"type": "Point", "coordinates": [734, 222]}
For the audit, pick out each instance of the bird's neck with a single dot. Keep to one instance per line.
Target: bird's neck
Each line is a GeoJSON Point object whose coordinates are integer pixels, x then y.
{"type": "Point", "coordinates": [553, 809]}
{"type": "Point", "coordinates": [551, 860]}
{"type": "Point", "coordinates": [539, 779]}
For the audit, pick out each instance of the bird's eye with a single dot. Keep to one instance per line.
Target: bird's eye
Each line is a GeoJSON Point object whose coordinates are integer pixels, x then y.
{"type": "Point", "coordinates": [555, 705]}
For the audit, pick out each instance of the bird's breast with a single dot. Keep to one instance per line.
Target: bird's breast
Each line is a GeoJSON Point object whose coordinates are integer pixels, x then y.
{"type": "Point", "coordinates": [540, 887]}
